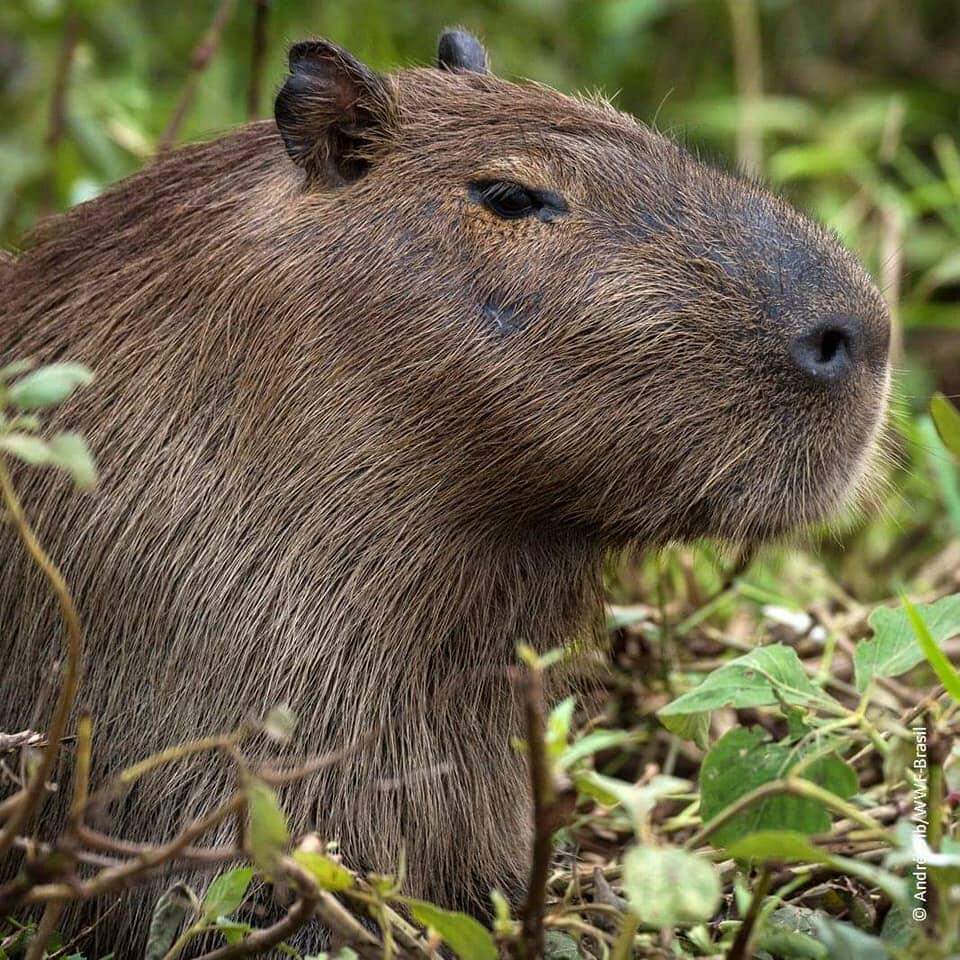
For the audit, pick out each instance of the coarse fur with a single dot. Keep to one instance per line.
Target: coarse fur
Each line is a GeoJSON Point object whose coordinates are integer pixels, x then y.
{"type": "Point", "coordinates": [359, 437]}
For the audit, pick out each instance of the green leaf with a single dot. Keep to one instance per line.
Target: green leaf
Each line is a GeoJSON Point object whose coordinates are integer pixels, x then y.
{"type": "Point", "coordinates": [894, 648]}
{"type": "Point", "coordinates": [70, 453]}
{"type": "Point", "coordinates": [844, 942]}
{"type": "Point", "coordinates": [169, 915]}
{"type": "Point", "coordinates": [466, 937]}
{"type": "Point", "coordinates": [942, 667]}
{"type": "Point", "coordinates": [227, 892]}
{"type": "Point", "coordinates": [764, 677]}
{"type": "Point", "coordinates": [29, 449]}
{"type": "Point", "coordinates": [637, 801]}
{"type": "Point", "coordinates": [267, 833]}
{"type": "Point", "coordinates": [666, 885]}
{"type": "Point", "coordinates": [946, 418]}
{"type": "Point", "coordinates": [689, 726]}
{"type": "Point", "coordinates": [558, 727]}
{"type": "Point", "coordinates": [48, 386]}
{"type": "Point", "coordinates": [233, 930]}
{"type": "Point", "coordinates": [786, 845]}
{"type": "Point", "coordinates": [558, 945]}
{"type": "Point", "coordinates": [744, 759]}
{"type": "Point", "coordinates": [593, 743]}
{"type": "Point", "coordinates": [789, 945]}
{"type": "Point", "coordinates": [327, 873]}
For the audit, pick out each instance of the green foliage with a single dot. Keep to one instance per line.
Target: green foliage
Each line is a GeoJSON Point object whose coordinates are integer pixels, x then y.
{"type": "Point", "coordinates": [467, 938]}
{"type": "Point", "coordinates": [326, 873]}
{"type": "Point", "coordinates": [666, 886]}
{"type": "Point", "coordinates": [267, 834]}
{"type": "Point", "coordinates": [226, 893]}
{"type": "Point", "coordinates": [764, 677]}
{"type": "Point", "coordinates": [745, 759]}
{"type": "Point", "coordinates": [946, 417]}
{"type": "Point", "coordinates": [20, 429]}
{"type": "Point", "coordinates": [894, 648]}
{"type": "Point", "coordinates": [857, 126]}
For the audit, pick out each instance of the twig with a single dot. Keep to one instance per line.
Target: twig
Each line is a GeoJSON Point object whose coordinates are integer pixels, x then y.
{"type": "Point", "coordinates": [740, 948]}
{"type": "Point", "coordinates": [795, 786]}
{"type": "Point", "coordinates": [113, 878]}
{"type": "Point", "coordinates": [261, 12]}
{"type": "Point", "coordinates": [31, 796]}
{"type": "Point", "coordinates": [297, 916]}
{"type": "Point", "coordinates": [58, 105]}
{"type": "Point", "coordinates": [529, 683]}
{"type": "Point", "coordinates": [199, 61]}
{"type": "Point", "coordinates": [749, 72]}
{"type": "Point", "coordinates": [45, 929]}
{"type": "Point", "coordinates": [81, 784]}
{"type": "Point", "coordinates": [623, 948]}
{"type": "Point", "coordinates": [17, 741]}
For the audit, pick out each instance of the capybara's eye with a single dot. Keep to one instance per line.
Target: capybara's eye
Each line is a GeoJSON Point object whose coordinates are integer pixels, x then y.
{"type": "Point", "coordinates": [511, 201]}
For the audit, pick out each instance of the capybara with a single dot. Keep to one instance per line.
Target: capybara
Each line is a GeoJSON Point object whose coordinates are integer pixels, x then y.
{"type": "Point", "coordinates": [380, 386]}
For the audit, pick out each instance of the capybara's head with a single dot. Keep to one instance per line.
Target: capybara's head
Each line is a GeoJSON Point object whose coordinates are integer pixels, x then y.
{"type": "Point", "coordinates": [600, 330]}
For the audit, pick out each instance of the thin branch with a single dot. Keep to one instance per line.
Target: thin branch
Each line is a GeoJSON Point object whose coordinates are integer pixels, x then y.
{"type": "Point", "coordinates": [310, 900]}
{"type": "Point", "coordinates": [199, 61]}
{"type": "Point", "coordinates": [45, 930]}
{"type": "Point", "coordinates": [114, 878]}
{"type": "Point", "coordinates": [749, 73]}
{"type": "Point", "coordinates": [32, 794]}
{"type": "Point", "coordinates": [529, 683]}
{"type": "Point", "coordinates": [740, 949]}
{"type": "Point", "coordinates": [56, 122]}
{"type": "Point", "coordinates": [261, 13]}
{"type": "Point", "coordinates": [793, 786]}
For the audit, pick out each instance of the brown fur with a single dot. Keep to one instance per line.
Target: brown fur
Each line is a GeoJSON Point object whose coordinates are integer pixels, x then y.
{"type": "Point", "coordinates": [359, 438]}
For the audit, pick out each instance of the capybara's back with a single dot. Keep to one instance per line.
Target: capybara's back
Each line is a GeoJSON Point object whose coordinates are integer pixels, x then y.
{"type": "Point", "coordinates": [378, 388]}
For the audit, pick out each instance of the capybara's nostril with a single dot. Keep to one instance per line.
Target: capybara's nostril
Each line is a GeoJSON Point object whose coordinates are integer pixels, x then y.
{"type": "Point", "coordinates": [827, 352]}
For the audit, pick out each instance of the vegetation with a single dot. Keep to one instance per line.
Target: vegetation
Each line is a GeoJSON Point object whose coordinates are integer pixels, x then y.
{"type": "Point", "coordinates": [773, 771]}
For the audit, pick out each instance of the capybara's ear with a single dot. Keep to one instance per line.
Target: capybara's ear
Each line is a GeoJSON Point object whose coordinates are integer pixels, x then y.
{"type": "Point", "coordinates": [461, 50]}
{"type": "Point", "coordinates": [334, 114]}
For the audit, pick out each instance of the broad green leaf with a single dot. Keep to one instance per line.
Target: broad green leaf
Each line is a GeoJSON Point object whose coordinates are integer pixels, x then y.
{"type": "Point", "coordinates": [227, 892]}
{"type": "Point", "coordinates": [171, 911]}
{"type": "Point", "coordinates": [899, 928]}
{"type": "Point", "coordinates": [70, 452]}
{"type": "Point", "coordinates": [592, 743]}
{"type": "Point", "coordinates": [666, 885]}
{"type": "Point", "coordinates": [267, 827]}
{"type": "Point", "coordinates": [466, 937]}
{"type": "Point", "coordinates": [48, 386]}
{"type": "Point", "coordinates": [789, 945]}
{"type": "Point", "coordinates": [894, 649]}
{"type": "Point", "coordinates": [327, 873]}
{"type": "Point", "coordinates": [946, 418]}
{"type": "Point", "coordinates": [942, 667]}
{"type": "Point", "coordinates": [689, 726]}
{"type": "Point", "coordinates": [846, 942]}
{"type": "Point", "coordinates": [29, 449]}
{"type": "Point", "coordinates": [786, 845]}
{"type": "Point", "coordinates": [764, 677]}
{"type": "Point", "coordinates": [744, 759]}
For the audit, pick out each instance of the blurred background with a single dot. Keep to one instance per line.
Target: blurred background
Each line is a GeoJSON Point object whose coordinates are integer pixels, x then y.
{"type": "Point", "coordinates": [849, 108]}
